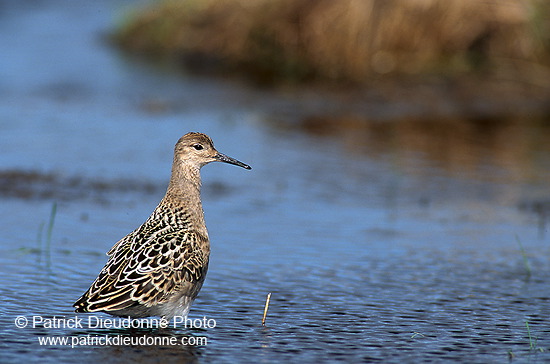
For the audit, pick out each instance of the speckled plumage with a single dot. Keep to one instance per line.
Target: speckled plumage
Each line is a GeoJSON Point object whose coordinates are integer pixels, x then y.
{"type": "Point", "coordinates": [159, 268]}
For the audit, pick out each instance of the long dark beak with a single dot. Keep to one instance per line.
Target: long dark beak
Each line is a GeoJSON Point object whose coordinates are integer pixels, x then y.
{"type": "Point", "coordinates": [223, 158]}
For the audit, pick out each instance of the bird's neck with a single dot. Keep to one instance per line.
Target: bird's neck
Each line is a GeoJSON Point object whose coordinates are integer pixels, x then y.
{"type": "Point", "coordinates": [184, 195]}
{"type": "Point", "coordinates": [185, 184]}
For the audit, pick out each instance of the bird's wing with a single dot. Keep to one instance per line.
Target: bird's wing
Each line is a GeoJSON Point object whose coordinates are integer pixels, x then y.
{"type": "Point", "coordinates": [146, 267]}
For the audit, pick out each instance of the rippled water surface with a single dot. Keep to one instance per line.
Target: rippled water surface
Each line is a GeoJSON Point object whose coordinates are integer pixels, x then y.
{"type": "Point", "coordinates": [389, 241]}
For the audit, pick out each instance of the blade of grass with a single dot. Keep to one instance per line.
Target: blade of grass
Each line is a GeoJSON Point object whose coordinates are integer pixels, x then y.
{"type": "Point", "coordinates": [50, 225]}
{"type": "Point", "coordinates": [39, 240]}
{"type": "Point", "coordinates": [47, 248]}
{"type": "Point", "coordinates": [525, 260]}
{"type": "Point", "coordinates": [532, 345]}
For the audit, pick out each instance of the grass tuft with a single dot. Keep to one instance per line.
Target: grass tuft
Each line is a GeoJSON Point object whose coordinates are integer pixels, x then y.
{"type": "Point", "coordinates": [345, 40]}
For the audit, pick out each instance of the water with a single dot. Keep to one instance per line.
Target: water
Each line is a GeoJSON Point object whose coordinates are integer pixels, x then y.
{"type": "Point", "coordinates": [393, 242]}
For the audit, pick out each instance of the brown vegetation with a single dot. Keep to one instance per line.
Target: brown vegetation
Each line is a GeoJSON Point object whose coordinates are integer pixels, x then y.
{"type": "Point", "coordinates": [347, 40]}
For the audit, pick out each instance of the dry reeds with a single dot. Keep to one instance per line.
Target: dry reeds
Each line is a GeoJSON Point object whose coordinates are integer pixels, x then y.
{"type": "Point", "coordinates": [349, 40]}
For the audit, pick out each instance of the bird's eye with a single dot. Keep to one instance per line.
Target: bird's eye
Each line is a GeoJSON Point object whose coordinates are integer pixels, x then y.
{"type": "Point", "coordinates": [198, 146]}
